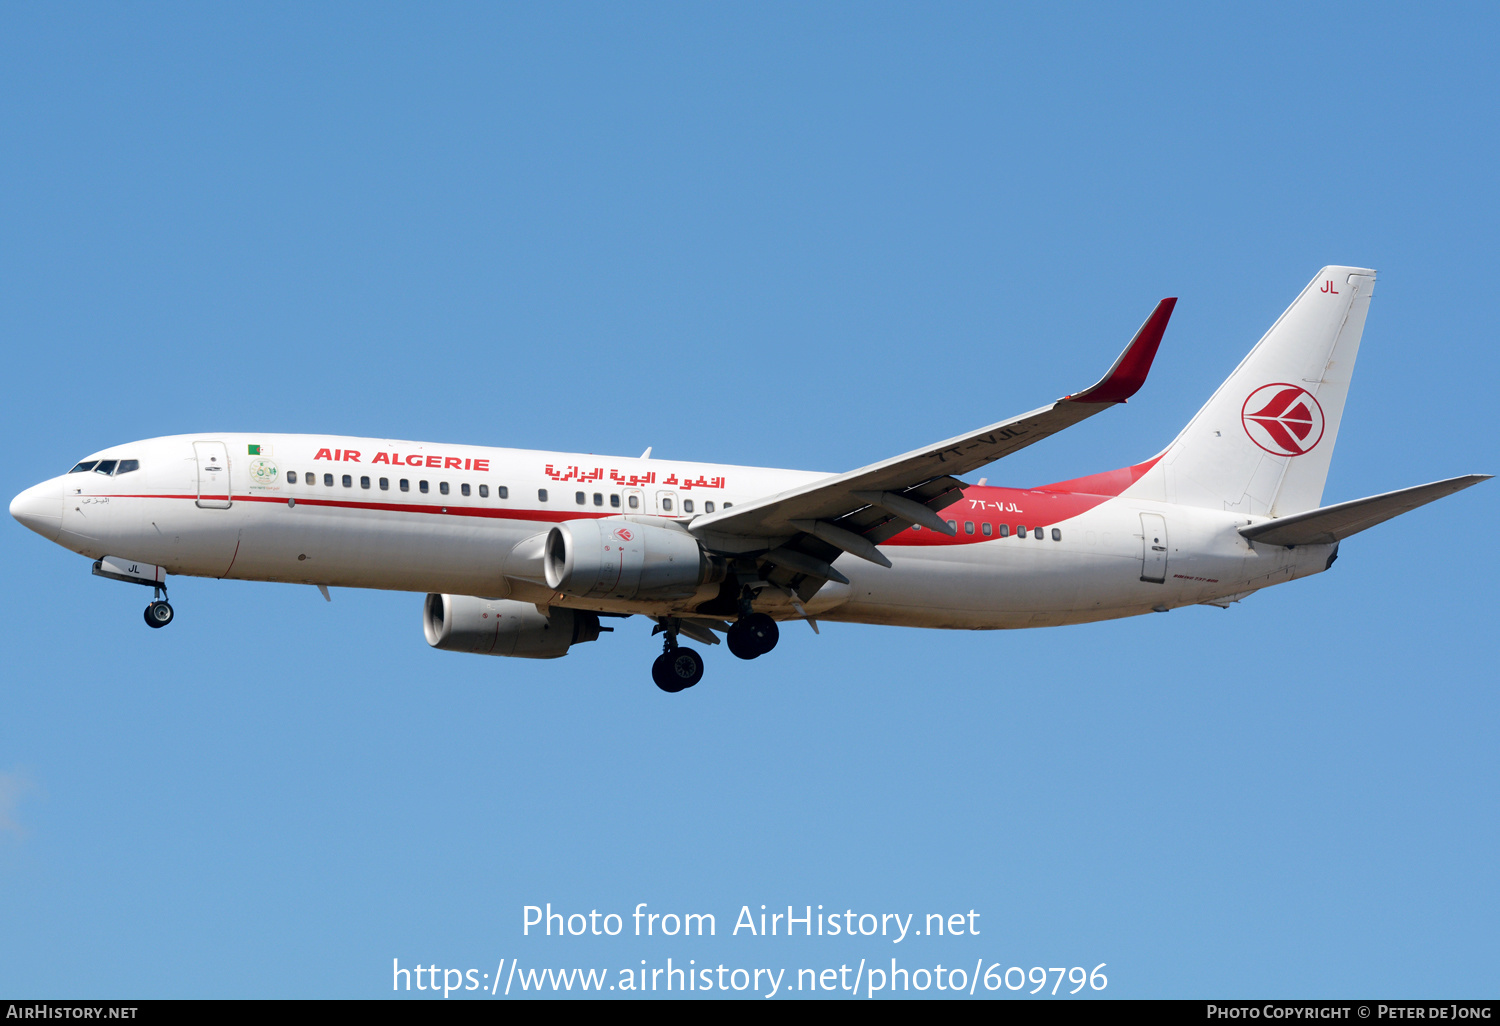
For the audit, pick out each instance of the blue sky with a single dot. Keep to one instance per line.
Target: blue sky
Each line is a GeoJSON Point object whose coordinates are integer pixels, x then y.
{"type": "Point", "coordinates": [786, 235]}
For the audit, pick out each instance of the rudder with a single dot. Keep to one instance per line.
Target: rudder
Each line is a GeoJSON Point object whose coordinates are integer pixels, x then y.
{"type": "Point", "coordinates": [1263, 443]}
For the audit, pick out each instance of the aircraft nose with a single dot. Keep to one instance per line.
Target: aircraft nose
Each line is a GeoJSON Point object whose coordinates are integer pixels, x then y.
{"type": "Point", "coordinates": [40, 508]}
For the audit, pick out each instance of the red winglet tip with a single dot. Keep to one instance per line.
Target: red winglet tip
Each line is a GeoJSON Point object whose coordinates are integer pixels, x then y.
{"type": "Point", "coordinates": [1128, 374]}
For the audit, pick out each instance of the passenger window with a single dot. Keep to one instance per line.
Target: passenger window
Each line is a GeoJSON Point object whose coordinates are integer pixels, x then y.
{"type": "Point", "coordinates": [405, 485]}
{"type": "Point", "coordinates": [327, 480]}
{"type": "Point", "coordinates": [988, 528]}
{"type": "Point", "coordinates": [541, 495]}
{"type": "Point", "coordinates": [1020, 531]}
{"type": "Point", "coordinates": [364, 482]}
{"type": "Point", "coordinates": [484, 491]}
{"type": "Point", "coordinates": [916, 527]}
{"type": "Point", "coordinates": [1005, 530]}
{"type": "Point", "coordinates": [348, 481]}
{"type": "Point", "coordinates": [708, 507]}
{"type": "Point", "coordinates": [83, 467]}
{"type": "Point", "coordinates": [728, 504]}
{"type": "Point", "coordinates": [107, 467]}
{"type": "Point", "coordinates": [385, 484]}
{"type": "Point", "coordinates": [126, 466]}
{"type": "Point", "coordinates": [463, 488]}
{"type": "Point", "coordinates": [598, 498]}
{"type": "Point", "coordinates": [614, 501]}
{"type": "Point", "coordinates": [582, 498]}
{"type": "Point", "coordinates": [1056, 534]}
{"type": "Point", "coordinates": [953, 526]}
{"type": "Point", "coordinates": [443, 487]}
{"type": "Point", "coordinates": [291, 477]}
{"type": "Point", "coordinates": [502, 492]}
{"type": "Point", "coordinates": [1037, 533]}
{"type": "Point", "coordinates": [968, 527]}
{"type": "Point", "coordinates": [666, 504]}
{"type": "Point", "coordinates": [422, 487]}
{"type": "Point", "coordinates": [635, 502]}
{"type": "Point", "coordinates": [687, 505]}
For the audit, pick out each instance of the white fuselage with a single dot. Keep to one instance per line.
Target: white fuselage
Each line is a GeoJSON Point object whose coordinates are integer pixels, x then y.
{"type": "Point", "coordinates": [423, 517]}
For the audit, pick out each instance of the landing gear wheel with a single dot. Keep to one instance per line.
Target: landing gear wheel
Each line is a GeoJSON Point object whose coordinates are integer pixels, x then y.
{"type": "Point", "coordinates": [677, 670]}
{"type": "Point", "coordinates": [753, 635]}
{"type": "Point", "coordinates": [158, 614]}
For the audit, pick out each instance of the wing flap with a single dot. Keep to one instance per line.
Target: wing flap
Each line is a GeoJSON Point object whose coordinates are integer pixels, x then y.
{"type": "Point", "coordinates": [1330, 524]}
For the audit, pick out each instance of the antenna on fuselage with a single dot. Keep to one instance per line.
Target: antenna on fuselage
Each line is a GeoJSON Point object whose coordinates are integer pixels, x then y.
{"type": "Point", "coordinates": [647, 454]}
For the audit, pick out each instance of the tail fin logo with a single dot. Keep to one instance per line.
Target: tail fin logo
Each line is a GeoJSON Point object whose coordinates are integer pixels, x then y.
{"type": "Point", "coordinates": [1283, 419]}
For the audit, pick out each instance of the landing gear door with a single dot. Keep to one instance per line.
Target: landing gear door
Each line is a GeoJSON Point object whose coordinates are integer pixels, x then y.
{"type": "Point", "coordinates": [1153, 548]}
{"type": "Point", "coordinates": [213, 474]}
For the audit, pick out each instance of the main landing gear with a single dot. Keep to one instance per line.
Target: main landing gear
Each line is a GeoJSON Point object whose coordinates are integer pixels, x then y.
{"type": "Point", "coordinates": [752, 635]}
{"type": "Point", "coordinates": [677, 668]}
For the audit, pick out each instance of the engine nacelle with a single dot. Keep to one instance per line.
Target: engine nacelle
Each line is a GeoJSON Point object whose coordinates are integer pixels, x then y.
{"type": "Point", "coordinates": [503, 627]}
{"type": "Point", "coordinates": [622, 559]}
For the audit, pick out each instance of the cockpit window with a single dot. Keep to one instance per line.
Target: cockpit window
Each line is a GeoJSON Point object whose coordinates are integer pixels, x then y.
{"type": "Point", "coordinates": [83, 467]}
{"type": "Point", "coordinates": [126, 466]}
{"type": "Point", "coordinates": [106, 467]}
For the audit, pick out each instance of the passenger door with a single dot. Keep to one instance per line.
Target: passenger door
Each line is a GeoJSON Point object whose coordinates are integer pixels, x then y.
{"type": "Point", "coordinates": [1153, 548]}
{"type": "Point", "coordinates": [213, 475]}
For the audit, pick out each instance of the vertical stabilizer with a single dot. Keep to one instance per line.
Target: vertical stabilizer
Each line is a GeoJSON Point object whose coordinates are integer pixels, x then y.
{"type": "Point", "coordinates": [1263, 443]}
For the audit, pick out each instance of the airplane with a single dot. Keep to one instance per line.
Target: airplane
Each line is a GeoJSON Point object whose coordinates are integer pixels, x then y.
{"type": "Point", "coordinates": [523, 553]}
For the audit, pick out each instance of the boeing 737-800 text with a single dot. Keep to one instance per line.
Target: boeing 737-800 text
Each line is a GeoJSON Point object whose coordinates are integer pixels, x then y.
{"type": "Point", "coordinates": [522, 552]}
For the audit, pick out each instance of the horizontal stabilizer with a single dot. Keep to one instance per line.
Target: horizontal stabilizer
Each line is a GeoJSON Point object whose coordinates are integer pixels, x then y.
{"type": "Point", "coordinates": [1334, 523]}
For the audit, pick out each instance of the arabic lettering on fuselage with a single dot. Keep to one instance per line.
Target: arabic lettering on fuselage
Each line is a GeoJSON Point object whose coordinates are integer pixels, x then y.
{"type": "Point", "coordinates": [587, 476]}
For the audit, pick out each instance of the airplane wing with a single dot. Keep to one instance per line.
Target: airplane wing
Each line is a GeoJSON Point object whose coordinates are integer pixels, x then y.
{"type": "Point", "coordinates": [1329, 524]}
{"type": "Point", "coordinates": [804, 529]}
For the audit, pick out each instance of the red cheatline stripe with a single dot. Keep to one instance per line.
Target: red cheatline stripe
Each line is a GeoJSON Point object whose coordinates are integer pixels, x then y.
{"type": "Point", "coordinates": [395, 507]}
{"type": "Point", "coordinates": [1081, 504]}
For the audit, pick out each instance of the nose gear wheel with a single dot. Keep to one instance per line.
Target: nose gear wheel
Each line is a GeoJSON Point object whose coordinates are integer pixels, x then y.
{"type": "Point", "coordinates": [158, 614]}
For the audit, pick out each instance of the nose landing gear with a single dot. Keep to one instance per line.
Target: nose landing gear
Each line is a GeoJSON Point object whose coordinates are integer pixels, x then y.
{"type": "Point", "coordinates": [159, 613]}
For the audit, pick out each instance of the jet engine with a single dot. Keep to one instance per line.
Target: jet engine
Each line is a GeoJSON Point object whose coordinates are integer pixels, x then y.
{"type": "Point", "coordinates": [503, 627]}
{"type": "Point", "coordinates": [622, 559]}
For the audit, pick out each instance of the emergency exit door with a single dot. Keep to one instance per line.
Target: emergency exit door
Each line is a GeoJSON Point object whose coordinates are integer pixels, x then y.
{"type": "Point", "coordinates": [213, 474]}
{"type": "Point", "coordinates": [1153, 548]}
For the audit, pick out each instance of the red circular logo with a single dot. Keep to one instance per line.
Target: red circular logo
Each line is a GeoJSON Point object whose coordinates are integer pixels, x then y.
{"type": "Point", "coordinates": [1283, 419]}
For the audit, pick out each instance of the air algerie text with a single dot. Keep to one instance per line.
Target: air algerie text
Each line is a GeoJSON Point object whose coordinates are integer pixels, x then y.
{"type": "Point", "coordinates": [396, 459]}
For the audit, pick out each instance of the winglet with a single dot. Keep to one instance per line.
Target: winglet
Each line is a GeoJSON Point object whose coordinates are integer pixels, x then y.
{"type": "Point", "coordinates": [1128, 374]}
